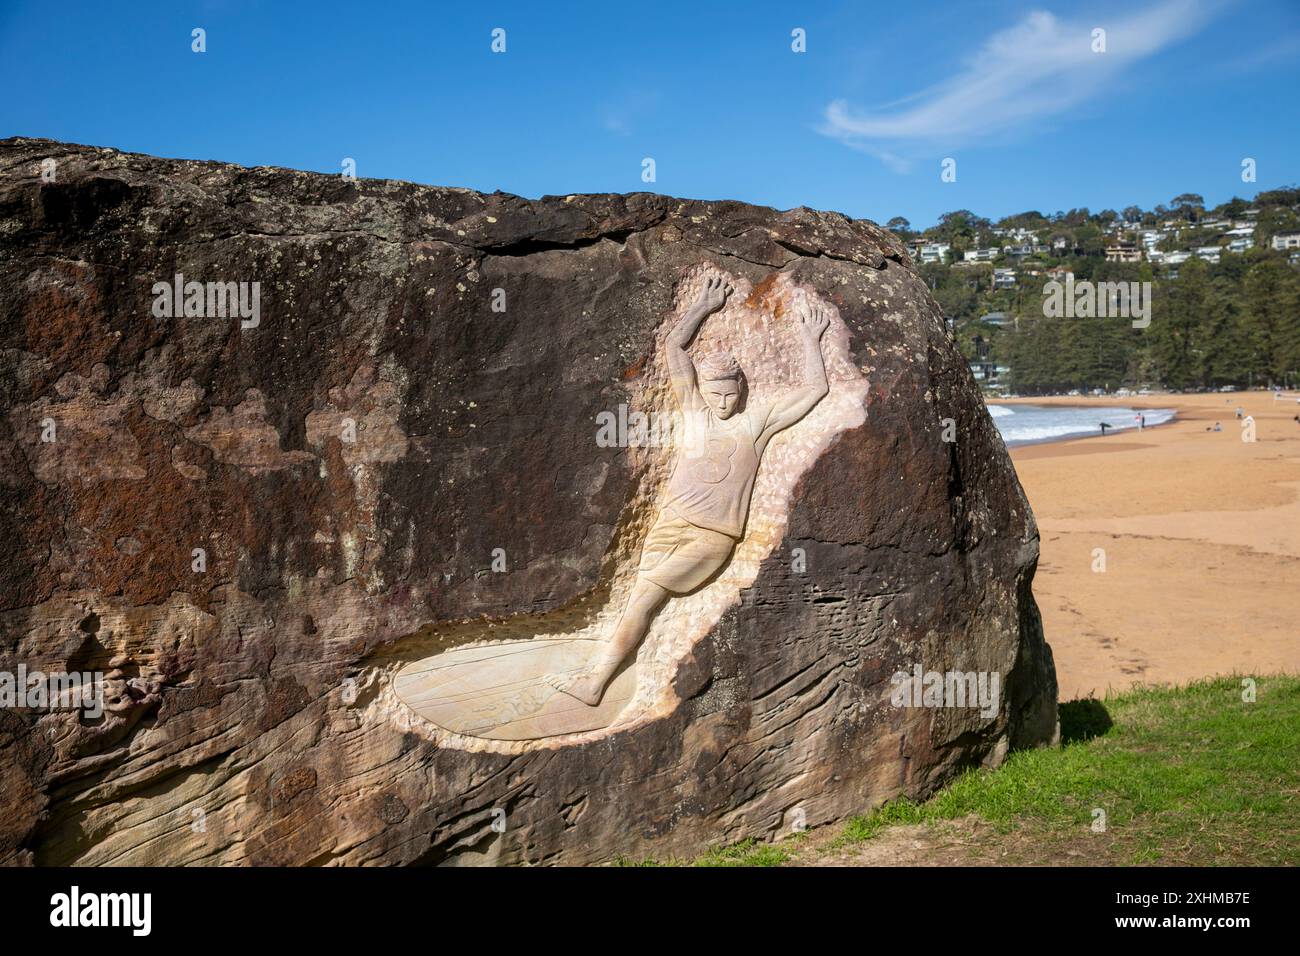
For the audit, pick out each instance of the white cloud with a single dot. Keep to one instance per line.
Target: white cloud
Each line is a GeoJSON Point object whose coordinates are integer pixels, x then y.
{"type": "Point", "coordinates": [1038, 68]}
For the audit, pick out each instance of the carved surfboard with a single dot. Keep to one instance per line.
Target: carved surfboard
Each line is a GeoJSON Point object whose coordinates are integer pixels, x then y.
{"type": "Point", "coordinates": [499, 691]}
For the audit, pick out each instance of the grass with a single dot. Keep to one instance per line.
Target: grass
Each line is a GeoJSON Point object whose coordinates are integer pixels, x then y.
{"type": "Point", "coordinates": [1191, 775]}
{"type": "Point", "coordinates": [749, 852]}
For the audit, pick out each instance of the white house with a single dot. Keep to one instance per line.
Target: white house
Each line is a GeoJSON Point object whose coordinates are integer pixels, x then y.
{"type": "Point", "coordinates": [1208, 253]}
{"type": "Point", "coordinates": [1287, 240]}
{"type": "Point", "coordinates": [1004, 278]}
{"type": "Point", "coordinates": [934, 251]}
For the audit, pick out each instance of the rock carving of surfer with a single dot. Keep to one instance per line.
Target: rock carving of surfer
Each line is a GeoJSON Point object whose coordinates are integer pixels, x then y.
{"type": "Point", "coordinates": [703, 515]}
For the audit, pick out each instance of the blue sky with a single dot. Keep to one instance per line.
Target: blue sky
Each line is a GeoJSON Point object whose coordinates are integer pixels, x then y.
{"type": "Point", "coordinates": [712, 92]}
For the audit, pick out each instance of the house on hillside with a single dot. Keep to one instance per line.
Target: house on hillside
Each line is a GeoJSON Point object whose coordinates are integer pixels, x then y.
{"type": "Point", "coordinates": [1004, 278]}
{"type": "Point", "coordinates": [1286, 240]}
{"type": "Point", "coordinates": [1208, 253]}
{"type": "Point", "coordinates": [998, 320]}
{"type": "Point", "coordinates": [981, 255]}
{"type": "Point", "coordinates": [934, 251]}
{"type": "Point", "coordinates": [1123, 252]}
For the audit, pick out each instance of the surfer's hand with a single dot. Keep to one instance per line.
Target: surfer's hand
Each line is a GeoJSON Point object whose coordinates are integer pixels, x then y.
{"type": "Point", "coordinates": [713, 296]}
{"type": "Point", "coordinates": [813, 320]}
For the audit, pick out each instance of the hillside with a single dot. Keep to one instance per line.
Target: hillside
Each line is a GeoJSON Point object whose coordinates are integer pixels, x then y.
{"type": "Point", "coordinates": [1224, 288]}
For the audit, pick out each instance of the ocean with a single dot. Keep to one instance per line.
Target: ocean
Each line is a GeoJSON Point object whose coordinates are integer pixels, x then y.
{"type": "Point", "coordinates": [1025, 424]}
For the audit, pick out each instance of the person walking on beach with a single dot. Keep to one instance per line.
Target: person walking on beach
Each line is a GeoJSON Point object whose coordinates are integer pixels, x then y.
{"type": "Point", "coordinates": [1104, 426]}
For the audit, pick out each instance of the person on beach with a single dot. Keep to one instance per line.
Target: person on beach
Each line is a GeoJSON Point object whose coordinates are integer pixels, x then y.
{"type": "Point", "coordinates": [1104, 426]}
{"type": "Point", "coordinates": [703, 515]}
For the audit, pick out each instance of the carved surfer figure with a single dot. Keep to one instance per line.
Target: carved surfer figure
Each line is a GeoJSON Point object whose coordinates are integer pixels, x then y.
{"type": "Point", "coordinates": [703, 514]}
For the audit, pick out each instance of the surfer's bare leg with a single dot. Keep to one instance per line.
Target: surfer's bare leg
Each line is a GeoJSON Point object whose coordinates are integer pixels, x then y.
{"type": "Point", "coordinates": [589, 686]}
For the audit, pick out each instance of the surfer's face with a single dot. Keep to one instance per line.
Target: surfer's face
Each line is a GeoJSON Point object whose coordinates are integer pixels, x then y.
{"type": "Point", "coordinates": [722, 396]}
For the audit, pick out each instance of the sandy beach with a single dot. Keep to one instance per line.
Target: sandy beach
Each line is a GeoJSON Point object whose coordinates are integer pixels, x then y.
{"type": "Point", "coordinates": [1201, 539]}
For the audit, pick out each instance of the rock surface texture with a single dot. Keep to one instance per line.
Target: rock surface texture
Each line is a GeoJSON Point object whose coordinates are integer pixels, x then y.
{"type": "Point", "coordinates": [250, 526]}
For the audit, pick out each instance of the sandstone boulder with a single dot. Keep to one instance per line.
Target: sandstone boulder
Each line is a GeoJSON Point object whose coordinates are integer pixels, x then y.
{"type": "Point", "coordinates": [394, 422]}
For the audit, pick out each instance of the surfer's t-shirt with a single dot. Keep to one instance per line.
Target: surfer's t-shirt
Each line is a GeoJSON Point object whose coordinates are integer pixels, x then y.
{"type": "Point", "coordinates": [713, 478]}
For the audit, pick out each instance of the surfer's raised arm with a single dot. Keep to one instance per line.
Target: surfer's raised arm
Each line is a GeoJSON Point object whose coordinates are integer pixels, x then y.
{"type": "Point", "coordinates": [681, 370]}
{"type": "Point", "coordinates": [811, 322]}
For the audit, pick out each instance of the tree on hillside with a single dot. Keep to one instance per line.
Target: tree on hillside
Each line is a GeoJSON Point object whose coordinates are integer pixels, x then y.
{"type": "Point", "coordinates": [1181, 311]}
{"type": "Point", "coordinates": [1273, 219]}
{"type": "Point", "coordinates": [1233, 208]}
{"type": "Point", "coordinates": [1189, 205]}
{"type": "Point", "coordinates": [1271, 317]}
{"type": "Point", "coordinates": [1032, 219]}
{"type": "Point", "coordinates": [1090, 240]}
{"type": "Point", "coordinates": [898, 224]}
{"type": "Point", "coordinates": [1287, 196]}
{"type": "Point", "coordinates": [959, 228]}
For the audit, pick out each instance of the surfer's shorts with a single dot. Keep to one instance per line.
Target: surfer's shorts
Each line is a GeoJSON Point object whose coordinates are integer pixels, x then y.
{"type": "Point", "coordinates": [679, 556]}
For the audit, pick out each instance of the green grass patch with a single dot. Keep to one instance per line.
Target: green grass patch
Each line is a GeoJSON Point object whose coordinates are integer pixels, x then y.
{"type": "Point", "coordinates": [1188, 775]}
{"type": "Point", "coordinates": [746, 853]}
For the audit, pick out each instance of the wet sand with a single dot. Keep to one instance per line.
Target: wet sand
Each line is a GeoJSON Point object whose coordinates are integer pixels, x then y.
{"type": "Point", "coordinates": [1200, 536]}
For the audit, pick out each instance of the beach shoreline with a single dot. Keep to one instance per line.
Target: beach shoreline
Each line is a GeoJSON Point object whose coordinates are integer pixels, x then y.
{"type": "Point", "coordinates": [1171, 553]}
{"type": "Point", "coordinates": [1079, 436]}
